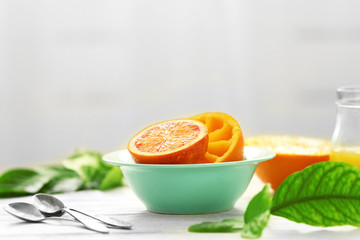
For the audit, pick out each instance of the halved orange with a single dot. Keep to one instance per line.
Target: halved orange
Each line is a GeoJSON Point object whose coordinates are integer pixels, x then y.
{"type": "Point", "coordinates": [226, 142]}
{"type": "Point", "coordinates": [293, 153]}
{"type": "Point", "coordinates": [180, 141]}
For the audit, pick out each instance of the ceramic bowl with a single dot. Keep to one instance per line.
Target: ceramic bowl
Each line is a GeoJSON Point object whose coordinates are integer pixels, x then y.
{"type": "Point", "coordinates": [189, 188]}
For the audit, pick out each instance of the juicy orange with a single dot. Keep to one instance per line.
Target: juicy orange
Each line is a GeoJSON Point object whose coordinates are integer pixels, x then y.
{"type": "Point", "coordinates": [293, 153]}
{"type": "Point", "coordinates": [181, 141]}
{"type": "Point", "coordinates": [226, 142]}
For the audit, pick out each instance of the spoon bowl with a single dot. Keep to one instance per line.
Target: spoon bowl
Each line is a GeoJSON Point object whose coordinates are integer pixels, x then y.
{"type": "Point", "coordinates": [49, 205]}
{"type": "Point", "coordinates": [24, 211]}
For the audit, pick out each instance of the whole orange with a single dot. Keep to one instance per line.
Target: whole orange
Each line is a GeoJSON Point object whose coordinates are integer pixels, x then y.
{"type": "Point", "coordinates": [293, 153]}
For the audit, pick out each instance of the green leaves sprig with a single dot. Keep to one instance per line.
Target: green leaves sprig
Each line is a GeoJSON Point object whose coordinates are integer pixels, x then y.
{"type": "Point", "coordinates": [324, 194]}
{"type": "Point", "coordinates": [83, 170]}
{"type": "Point", "coordinates": [95, 173]}
{"type": "Point", "coordinates": [256, 218]}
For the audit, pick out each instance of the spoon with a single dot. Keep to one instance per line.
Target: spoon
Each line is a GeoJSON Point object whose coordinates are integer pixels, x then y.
{"type": "Point", "coordinates": [24, 211]}
{"type": "Point", "coordinates": [52, 206]}
{"type": "Point", "coordinates": [29, 213]}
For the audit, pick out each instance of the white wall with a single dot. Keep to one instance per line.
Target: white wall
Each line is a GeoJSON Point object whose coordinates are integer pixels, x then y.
{"type": "Point", "coordinates": [92, 73]}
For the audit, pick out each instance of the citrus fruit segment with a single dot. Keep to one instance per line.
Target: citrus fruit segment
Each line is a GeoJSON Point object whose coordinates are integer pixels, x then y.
{"type": "Point", "coordinates": [226, 141]}
{"type": "Point", "coordinates": [293, 153]}
{"type": "Point", "coordinates": [181, 141]}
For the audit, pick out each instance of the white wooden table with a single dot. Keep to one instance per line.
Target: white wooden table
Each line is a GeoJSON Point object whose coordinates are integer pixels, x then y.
{"type": "Point", "coordinates": [122, 203]}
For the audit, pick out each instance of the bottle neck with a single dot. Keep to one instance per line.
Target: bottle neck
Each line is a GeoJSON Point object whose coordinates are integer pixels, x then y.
{"type": "Point", "coordinates": [347, 127]}
{"type": "Point", "coordinates": [348, 96]}
{"type": "Point", "coordinates": [345, 142]}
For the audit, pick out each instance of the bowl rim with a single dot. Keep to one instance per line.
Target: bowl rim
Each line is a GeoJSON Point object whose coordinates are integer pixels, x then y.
{"type": "Point", "coordinates": [265, 155]}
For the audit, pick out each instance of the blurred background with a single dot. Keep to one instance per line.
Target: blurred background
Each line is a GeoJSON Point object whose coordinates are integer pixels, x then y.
{"type": "Point", "coordinates": [91, 74]}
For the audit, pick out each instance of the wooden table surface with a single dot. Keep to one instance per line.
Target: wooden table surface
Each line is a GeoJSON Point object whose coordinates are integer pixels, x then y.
{"type": "Point", "coordinates": [122, 203]}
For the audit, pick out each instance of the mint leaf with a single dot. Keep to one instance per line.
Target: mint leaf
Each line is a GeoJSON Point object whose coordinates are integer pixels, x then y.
{"type": "Point", "coordinates": [257, 214]}
{"type": "Point", "coordinates": [87, 164]}
{"type": "Point", "coordinates": [54, 179]}
{"type": "Point", "coordinates": [112, 179]}
{"type": "Point", "coordinates": [324, 194]}
{"type": "Point", "coordinates": [62, 180]}
{"type": "Point", "coordinates": [226, 225]}
{"type": "Point", "coordinates": [19, 182]}
{"type": "Point", "coordinates": [95, 173]}
{"type": "Point", "coordinates": [256, 218]}
{"type": "Point", "coordinates": [83, 170]}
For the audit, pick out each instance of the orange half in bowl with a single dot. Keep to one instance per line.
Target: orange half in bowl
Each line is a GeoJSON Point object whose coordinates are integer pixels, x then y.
{"type": "Point", "coordinates": [181, 141]}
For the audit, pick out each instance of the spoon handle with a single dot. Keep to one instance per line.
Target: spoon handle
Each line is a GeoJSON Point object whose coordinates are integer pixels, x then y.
{"type": "Point", "coordinates": [87, 221]}
{"type": "Point", "coordinates": [112, 222]}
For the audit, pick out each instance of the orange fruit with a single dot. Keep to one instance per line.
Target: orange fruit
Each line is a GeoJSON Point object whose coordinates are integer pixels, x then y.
{"type": "Point", "coordinates": [293, 153]}
{"type": "Point", "coordinates": [226, 142]}
{"type": "Point", "coordinates": [181, 141]}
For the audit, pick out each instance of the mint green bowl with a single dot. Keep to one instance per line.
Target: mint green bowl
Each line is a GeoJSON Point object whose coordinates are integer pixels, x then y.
{"type": "Point", "coordinates": [189, 188]}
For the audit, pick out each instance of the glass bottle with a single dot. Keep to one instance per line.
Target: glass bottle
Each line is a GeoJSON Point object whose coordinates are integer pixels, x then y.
{"type": "Point", "coordinates": [345, 143]}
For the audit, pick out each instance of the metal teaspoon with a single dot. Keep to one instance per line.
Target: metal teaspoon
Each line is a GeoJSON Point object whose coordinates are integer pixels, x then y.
{"type": "Point", "coordinates": [29, 213]}
{"type": "Point", "coordinates": [52, 206]}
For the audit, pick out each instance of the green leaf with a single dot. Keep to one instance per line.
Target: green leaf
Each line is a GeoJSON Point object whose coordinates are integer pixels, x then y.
{"type": "Point", "coordinates": [83, 170]}
{"type": "Point", "coordinates": [93, 171]}
{"type": "Point", "coordinates": [84, 163]}
{"type": "Point", "coordinates": [324, 194]}
{"type": "Point", "coordinates": [226, 225]}
{"type": "Point", "coordinates": [257, 214]}
{"type": "Point", "coordinates": [112, 179]}
{"type": "Point", "coordinates": [88, 165]}
{"type": "Point", "coordinates": [54, 179]}
{"type": "Point", "coordinates": [62, 180]}
{"type": "Point", "coordinates": [19, 182]}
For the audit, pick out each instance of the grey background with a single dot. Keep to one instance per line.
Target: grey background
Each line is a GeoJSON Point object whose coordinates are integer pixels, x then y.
{"type": "Point", "coordinates": [92, 73]}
